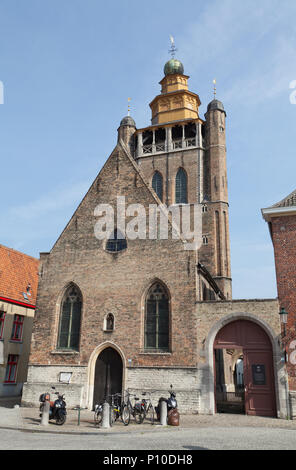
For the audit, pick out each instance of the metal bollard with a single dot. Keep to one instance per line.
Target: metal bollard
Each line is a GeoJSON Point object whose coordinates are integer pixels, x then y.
{"type": "Point", "coordinates": [78, 408]}
{"type": "Point", "coordinates": [106, 415]}
{"type": "Point", "coordinates": [45, 413]}
{"type": "Point", "coordinates": [163, 413]}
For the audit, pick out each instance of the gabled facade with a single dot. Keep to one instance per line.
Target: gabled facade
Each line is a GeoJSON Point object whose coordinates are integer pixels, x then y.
{"type": "Point", "coordinates": [281, 219]}
{"type": "Point", "coordinates": [143, 312]}
{"type": "Point", "coordinates": [18, 290]}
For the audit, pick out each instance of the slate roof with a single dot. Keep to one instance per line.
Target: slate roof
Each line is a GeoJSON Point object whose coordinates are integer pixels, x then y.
{"type": "Point", "coordinates": [287, 201]}
{"type": "Point", "coordinates": [18, 271]}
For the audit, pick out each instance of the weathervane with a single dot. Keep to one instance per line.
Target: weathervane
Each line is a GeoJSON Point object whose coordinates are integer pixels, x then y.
{"type": "Point", "coordinates": [214, 81]}
{"type": "Point", "coordinates": [128, 106]}
{"type": "Point", "coordinates": [173, 48]}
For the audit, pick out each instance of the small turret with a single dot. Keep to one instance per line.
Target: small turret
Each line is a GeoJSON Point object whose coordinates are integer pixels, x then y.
{"type": "Point", "coordinates": [126, 132]}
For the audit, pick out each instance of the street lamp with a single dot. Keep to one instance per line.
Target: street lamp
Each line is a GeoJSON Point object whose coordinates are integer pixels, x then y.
{"type": "Point", "coordinates": [284, 318]}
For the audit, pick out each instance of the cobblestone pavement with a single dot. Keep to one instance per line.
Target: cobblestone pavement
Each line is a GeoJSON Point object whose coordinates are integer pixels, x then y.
{"type": "Point", "coordinates": [28, 419]}
{"type": "Point", "coordinates": [20, 428]}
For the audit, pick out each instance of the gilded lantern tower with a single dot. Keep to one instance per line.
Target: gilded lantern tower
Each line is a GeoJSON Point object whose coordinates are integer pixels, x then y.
{"type": "Point", "coordinates": [184, 159]}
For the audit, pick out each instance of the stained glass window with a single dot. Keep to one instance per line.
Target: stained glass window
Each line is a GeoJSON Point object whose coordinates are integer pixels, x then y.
{"type": "Point", "coordinates": [157, 319]}
{"type": "Point", "coordinates": [70, 320]}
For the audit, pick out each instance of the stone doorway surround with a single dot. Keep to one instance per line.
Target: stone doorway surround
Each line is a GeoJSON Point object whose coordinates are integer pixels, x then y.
{"type": "Point", "coordinates": [92, 367]}
{"type": "Point", "coordinates": [281, 390]}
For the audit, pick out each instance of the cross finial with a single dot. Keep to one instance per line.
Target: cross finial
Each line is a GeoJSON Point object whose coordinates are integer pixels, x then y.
{"type": "Point", "coordinates": [173, 48]}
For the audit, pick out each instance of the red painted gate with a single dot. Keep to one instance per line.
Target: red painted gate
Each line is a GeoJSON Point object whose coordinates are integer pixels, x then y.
{"type": "Point", "coordinates": [258, 364]}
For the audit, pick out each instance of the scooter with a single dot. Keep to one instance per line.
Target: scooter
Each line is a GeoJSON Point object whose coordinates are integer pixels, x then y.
{"type": "Point", "coordinates": [171, 402]}
{"type": "Point", "coordinates": [57, 409]}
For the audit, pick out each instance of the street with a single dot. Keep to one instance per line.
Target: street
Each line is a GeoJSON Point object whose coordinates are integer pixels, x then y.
{"type": "Point", "coordinates": [202, 438]}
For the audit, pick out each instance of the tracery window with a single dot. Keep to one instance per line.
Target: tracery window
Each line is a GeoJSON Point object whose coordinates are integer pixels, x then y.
{"type": "Point", "coordinates": [157, 318]}
{"type": "Point", "coordinates": [157, 184]}
{"type": "Point", "coordinates": [116, 242]}
{"type": "Point", "coordinates": [181, 187]}
{"type": "Point", "coordinates": [69, 330]}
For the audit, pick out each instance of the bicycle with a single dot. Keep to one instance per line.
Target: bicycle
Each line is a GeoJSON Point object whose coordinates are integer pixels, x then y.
{"type": "Point", "coordinates": [136, 410]}
{"type": "Point", "coordinates": [98, 416]}
{"type": "Point", "coordinates": [118, 410]}
{"type": "Point", "coordinates": [148, 407]}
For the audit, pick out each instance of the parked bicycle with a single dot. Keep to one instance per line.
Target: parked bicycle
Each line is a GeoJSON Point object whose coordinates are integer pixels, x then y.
{"type": "Point", "coordinates": [148, 407]}
{"type": "Point", "coordinates": [118, 409]}
{"type": "Point", "coordinates": [98, 416]}
{"type": "Point", "coordinates": [137, 410]}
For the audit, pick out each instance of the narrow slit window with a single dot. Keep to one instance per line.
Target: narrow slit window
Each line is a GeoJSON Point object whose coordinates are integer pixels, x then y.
{"type": "Point", "coordinates": [157, 184]}
{"type": "Point", "coordinates": [181, 187]}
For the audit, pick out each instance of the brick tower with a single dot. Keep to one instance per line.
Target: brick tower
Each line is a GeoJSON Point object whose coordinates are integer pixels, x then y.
{"type": "Point", "coordinates": [184, 159]}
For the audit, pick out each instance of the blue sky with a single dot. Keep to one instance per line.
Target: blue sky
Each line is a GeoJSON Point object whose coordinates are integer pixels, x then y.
{"type": "Point", "coordinates": [68, 67]}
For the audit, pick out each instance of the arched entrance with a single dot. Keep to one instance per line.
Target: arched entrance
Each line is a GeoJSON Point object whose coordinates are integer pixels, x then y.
{"type": "Point", "coordinates": [243, 367]}
{"type": "Point", "coordinates": [108, 375]}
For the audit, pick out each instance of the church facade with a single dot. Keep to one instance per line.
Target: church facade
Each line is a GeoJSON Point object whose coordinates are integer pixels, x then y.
{"type": "Point", "coordinates": [132, 312]}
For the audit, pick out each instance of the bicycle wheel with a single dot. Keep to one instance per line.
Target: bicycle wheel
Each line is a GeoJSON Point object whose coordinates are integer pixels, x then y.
{"type": "Point", "coordinates": [139, 415]}
{"type": "Point", "coordinates": [125, 415]}
{"type": "Point", "coordinates": [149, 415]}
{"type": "Point", "coordinates": [98, 418]}
{"type": "Point", "coordinates": [113, 415]}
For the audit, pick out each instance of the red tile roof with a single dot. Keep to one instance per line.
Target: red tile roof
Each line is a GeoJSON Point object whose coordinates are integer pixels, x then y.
{"type": "Point", "coordinates": [17, 272]}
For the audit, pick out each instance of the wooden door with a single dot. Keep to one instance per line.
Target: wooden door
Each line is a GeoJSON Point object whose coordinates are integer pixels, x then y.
{"type": "Point", "coordinates": [108, 375]}
{"type": "Point", "coordinates": [258, 364]}
{"type": "Point", "coordinates": [259, 383]}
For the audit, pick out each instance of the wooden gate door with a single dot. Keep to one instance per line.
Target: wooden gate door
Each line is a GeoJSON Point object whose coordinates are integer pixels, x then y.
{"type": "Point", "coordinates": [259, 383]}
{"type": "Point", "coordinates": [258, 364]}
{"type": "Point", "coordinates": [108, 375]}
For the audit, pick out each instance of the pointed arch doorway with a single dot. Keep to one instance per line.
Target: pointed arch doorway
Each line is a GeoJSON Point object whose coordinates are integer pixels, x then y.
{"type": "Point", "coordinates": [244, 371]}
{"type": "Point", "coordinates": [108, 375]}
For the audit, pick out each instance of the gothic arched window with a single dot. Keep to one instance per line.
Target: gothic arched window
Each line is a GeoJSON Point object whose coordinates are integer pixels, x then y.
{"type": "Point", "coordinates": [70, 319]}
{"type": "Point", "coordinates": [116, 242]}
{"type": "Point", "coordinates": [181, 187]}
{"type": "Point", "coordinates": [157, 184]}
{"type": "Point", "coordinates": [157, 318]}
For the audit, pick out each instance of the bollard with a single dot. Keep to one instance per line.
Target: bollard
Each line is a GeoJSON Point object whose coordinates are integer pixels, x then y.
{"type": "Point", "coordinates": [78, 408]}
{"type": "Point", "coordinates": [45, 413]}
{"type": "Point", "coordinates": [163, 413]}
{"type": "Point", "coordinates": [106, 415]}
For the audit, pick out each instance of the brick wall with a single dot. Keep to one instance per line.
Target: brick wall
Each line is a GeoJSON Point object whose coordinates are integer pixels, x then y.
{"type": "Point", "coordinates": [284, 236]}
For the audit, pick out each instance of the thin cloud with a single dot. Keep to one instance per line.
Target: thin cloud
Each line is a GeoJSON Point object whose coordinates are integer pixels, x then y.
{"type": "Point", "coordinates": [251, 49]}
{"type": "Point", "coordinates": [57, 200]}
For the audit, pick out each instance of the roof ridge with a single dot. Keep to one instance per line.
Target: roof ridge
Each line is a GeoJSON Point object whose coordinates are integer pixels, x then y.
{"type": "Point", "coordinates": [17, 251]}
{"type": "Point", "coordinates": [286, 201]}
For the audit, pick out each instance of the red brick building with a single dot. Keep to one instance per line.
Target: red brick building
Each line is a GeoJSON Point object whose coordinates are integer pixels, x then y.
{"type": "Point", "coordinates": [18, 291]}
{"type": "Point", "coordinates": [281, 218]}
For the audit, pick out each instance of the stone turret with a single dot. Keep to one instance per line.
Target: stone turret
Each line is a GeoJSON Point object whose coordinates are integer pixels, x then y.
{"type": "Point", "coordinates": [126, 132]}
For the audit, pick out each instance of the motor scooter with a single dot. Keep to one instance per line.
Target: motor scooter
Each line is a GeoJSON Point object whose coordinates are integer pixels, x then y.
{"type": "Point", "coordinates": [171, 402]}
{"type": "Point", "coordinates": [57, 408]}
